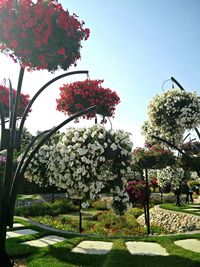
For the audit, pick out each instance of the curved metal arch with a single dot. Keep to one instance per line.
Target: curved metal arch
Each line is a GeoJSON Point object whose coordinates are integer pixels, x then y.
{"type": "Point", "coordinates": [11, 98]}
{"type": "Point", "coordinates": [2, 127]}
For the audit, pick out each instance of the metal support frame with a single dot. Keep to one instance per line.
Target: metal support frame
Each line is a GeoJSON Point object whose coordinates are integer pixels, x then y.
{"type": "Point", "coordinates": [11, 140]}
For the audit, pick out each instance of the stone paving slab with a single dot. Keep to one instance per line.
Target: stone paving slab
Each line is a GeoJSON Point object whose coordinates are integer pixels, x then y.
{"type": "Point", "coordinates": [44, 241]}
{"type": "Point", "coordinates": [18, 233]}
{"type": "Point", "coordinates": [146, 248]}
{"type": "Point", "coordinates": [93, 247]}
{"type": "Point", "coordinates": [189, 244]}
{"type": "Point", "coordinates": [17, 225]}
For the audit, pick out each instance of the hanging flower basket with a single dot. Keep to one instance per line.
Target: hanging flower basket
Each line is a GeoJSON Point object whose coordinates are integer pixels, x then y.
{"type": "Point", "coordinates": [153, 157]}
{"type": "Point", "coordinates": [4, 101]}
{"type": "Point", "coordinates": [77, 96]}
{"type": "Point", "coordinates": [147, 163]}
{"type": "Point", "coordinates": [175, 111]}
{"type": "Point", "coordinates": [40, 34]}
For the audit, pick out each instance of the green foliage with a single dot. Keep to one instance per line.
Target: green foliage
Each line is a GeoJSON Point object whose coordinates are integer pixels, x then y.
{"type": "Point", "coordinates": [46, 208]}
{"type": "Point", "coordinates": [99, 204]}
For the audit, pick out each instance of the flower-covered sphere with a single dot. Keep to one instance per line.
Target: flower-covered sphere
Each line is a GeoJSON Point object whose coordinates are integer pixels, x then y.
{"type": "Point", "coordinates": [77, 96]}
{"type": "Point", "coordinates": [175, 110]}
{"type": "Point", "coordinates": [150, 132]}
{"type": "Point", "coordinates": [80, 163]}
{"type": "Point", "coordinates": [40, 34]}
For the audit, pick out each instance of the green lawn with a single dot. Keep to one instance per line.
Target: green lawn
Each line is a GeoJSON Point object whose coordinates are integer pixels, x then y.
{"type": "Point", "coordinates": [60, 254]}
{"type": "Point", "coordinates": [170, 206]}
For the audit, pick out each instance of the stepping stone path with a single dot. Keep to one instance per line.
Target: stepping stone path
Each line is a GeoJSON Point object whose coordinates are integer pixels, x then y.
{"type": "Point", "coordinates": [189, 244]}
{"type": "Point", "coordinates": [45, 241]}
{"type": "Point", "coordinates": [15, 225]}
{"type": "Point", "coordinates": [146, 248]}
{"type": "Point", "coordinates": [101, 247]}
{"type": "Point", "coordinates": [93, 247]}
{"type": "Point", "coordinates": [18, 233]}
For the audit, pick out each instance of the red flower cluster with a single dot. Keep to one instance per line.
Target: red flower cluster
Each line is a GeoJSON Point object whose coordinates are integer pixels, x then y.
{"type": "Point", "coordinates": [4, 101]}
{"type": "Point", "coordinates": [78, 96]}
{"type": "Point", "coordinates": [40, 35]}
{"type": "Point", "coordinates": [136, 192]}
{"type": "Point", "coordinates": [161, 156]}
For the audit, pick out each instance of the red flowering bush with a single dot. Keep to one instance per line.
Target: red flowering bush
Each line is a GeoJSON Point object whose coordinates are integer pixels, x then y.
{"type": "Point", "coordinates": [136, 192]}
{"type": "Point", "coordinates": [154, 183]}
{"type": "Point", "coordinates": [4, 100]}
{"type": "Point", "coordinates": [78, 96]}
{"type": "Point", "coordinates": [40, 34]}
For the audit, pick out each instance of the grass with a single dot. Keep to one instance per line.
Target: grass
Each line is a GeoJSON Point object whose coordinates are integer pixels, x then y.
{"type": "Point", "coordinates": [60, 255]}
{"type": "Point", "coordinates": [170, 206]}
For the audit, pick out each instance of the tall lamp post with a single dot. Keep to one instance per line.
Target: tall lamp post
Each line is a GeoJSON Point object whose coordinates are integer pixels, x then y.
{"type": "Point", "coordinates": [11, 140]}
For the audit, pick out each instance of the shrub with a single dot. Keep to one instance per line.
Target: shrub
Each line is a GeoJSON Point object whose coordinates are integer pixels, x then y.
{"type": "Point", "coordinates": [46, 208]}
{"type": "Point", "coordinates": [99, 204]}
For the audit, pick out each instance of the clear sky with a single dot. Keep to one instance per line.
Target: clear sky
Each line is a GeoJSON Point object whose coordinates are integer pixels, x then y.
{"type": "Point", "coordinates": [135, 45]}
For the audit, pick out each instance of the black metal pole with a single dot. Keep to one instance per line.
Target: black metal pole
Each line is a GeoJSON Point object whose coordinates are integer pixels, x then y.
{"type": "Point", "coordinates": [147, 202]}
{"type": "Point", "coordinates": [7, 181]}
{"type": "Point", "coordinates": [80, 216]}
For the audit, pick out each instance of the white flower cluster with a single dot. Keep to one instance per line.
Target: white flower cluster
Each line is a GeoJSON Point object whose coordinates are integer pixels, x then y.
{"type": "Point", "coordinates": [174, 111]}
{"type": "Point", "coordinates": [170, 175]}
{"type": "Point", "coordinates": [148, 131]}
{"type": "Point", "coordinates": [37, 168]}
{"type": "Point", "coordinates": [84, 160]}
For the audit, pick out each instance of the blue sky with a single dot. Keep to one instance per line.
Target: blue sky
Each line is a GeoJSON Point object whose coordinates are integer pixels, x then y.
{"type": "Point", "coordinates": [135, 45]}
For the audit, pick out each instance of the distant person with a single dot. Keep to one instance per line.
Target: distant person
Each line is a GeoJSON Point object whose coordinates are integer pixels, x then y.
{"type": "Point", "coordinates": [189, 193]}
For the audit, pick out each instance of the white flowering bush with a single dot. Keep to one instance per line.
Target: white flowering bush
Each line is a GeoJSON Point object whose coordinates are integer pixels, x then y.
{"type": "Point", "coordinates": [174, 111]}
{"type": "Point", "coordinates": [170, 175]}
{"type": "Point", "coordinates": [81, 163]}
